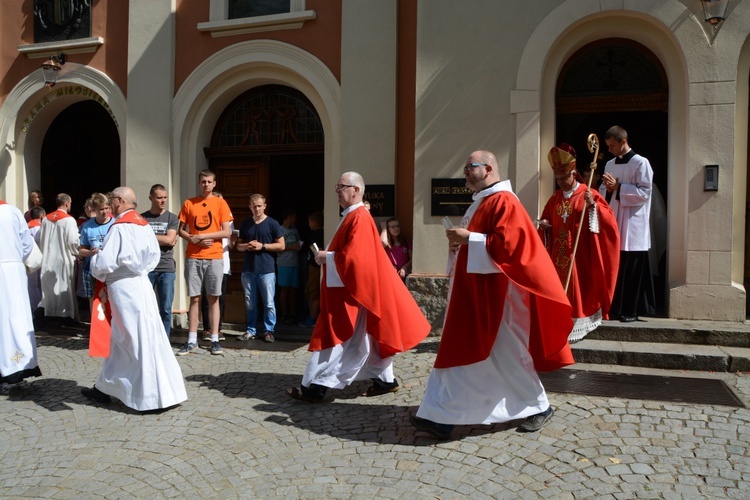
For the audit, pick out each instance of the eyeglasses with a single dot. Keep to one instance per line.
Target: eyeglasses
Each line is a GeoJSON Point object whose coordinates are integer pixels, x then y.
{"type": "Point", "coordinates": [341, 187]}
{"type": "Point", "coordinates": [471, 166]}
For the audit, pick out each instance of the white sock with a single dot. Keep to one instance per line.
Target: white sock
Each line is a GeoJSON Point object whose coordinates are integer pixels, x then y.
{"type": "Point", "coordinates": [214, 337]}
{"type": "Point", "coordinates": [192, 337]}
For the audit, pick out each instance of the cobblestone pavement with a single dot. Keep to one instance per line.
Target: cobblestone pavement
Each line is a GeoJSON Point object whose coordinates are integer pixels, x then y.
{"type": "Point", "coordinates": [239, 436]}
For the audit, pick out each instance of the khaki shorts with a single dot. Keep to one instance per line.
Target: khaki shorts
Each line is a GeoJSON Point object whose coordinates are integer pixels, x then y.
{"type": "Point", "coordinates": [203, 274]}
{"type": "Point", "coordinates": [312, 290]}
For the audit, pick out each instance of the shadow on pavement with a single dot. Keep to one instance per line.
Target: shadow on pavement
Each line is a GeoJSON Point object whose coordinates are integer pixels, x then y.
{"type": "Point", "coordinates": [344, 414]}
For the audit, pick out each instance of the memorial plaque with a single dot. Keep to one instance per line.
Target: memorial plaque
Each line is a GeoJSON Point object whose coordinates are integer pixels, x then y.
{"type": "Point", "coordinates": [382, 198]}
{"type": "Point", "coordinates": [450, 197]}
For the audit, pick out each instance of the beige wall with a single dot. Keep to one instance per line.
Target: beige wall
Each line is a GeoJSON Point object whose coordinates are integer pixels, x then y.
{"type": "Point", "coordinates": [501, 97]}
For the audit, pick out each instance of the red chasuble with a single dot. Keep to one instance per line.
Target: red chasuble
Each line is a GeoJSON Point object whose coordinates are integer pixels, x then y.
{"type": "Point", "coordinates": [594, 277]}
{"type": "Point", "coordinates": [393, 317]}
{"type": "Point", "coordinates": [476, 305]}
{"type": "Point", "coordinates": [101, 315]}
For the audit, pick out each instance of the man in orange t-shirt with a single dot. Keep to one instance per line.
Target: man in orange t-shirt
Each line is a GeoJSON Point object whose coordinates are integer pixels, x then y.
{"type": "Point", "coordinates": [204, 221]}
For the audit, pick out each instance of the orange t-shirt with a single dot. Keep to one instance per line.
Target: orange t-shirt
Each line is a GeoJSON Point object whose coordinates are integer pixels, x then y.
{"type": "Point", "coordinates": [205, 215]}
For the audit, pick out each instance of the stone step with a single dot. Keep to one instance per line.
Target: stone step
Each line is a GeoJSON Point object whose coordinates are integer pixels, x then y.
{"type": "Point", "coordinates": [662, 355]}
{"type": "Point", "coordinates": [672, 331]}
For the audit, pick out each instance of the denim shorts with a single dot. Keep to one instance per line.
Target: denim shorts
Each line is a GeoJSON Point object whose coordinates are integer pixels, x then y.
{"type": "Point", "coordinates": [288, 277]}
{"type": "Point", "coordinates": [204, 274]}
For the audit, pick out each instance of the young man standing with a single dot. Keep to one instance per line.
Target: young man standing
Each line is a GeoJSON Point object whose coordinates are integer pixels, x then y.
{"type": "Point", "coordinates": [259, 236]}
{"type": "Point", "coordinates": [93, 232]}
{"type": "Point", "coordinates": [204, 221]}
{"type": "Point", "coordinates": [164, 224]}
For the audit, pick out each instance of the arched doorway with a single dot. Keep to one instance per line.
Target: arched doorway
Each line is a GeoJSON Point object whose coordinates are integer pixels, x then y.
{"type": "Point", "coordinates": [620, 82]}
{"type": "Point", "coordinates": [269, 140]}
{"type": "Point", "coordinates": [80, 155]}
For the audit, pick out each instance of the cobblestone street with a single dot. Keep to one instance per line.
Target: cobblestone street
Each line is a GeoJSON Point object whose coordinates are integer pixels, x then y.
{"type": "Point", "coordinates": [239, 436]}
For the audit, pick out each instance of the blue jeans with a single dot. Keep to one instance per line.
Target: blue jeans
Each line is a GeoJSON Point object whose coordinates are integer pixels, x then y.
{"type": "Point", "coordinates": [265, 284]}
{"type": "Point", "coordinates": [164, 288]}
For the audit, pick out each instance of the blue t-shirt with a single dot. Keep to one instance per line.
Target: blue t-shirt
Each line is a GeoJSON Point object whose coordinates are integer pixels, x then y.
{"type": "Point", "coordinates": [268, 231]}
{"type": "Point", "coordinates": [92, 236]}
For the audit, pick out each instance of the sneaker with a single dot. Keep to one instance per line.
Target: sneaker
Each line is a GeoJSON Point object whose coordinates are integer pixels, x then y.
{"type": "Point", "coordinates": [536, 422]}
{"type": "Point", "coordinates": [187, 349]}
{"type": "Point", "coordinates": [207, 335]}
{"type": "Point", "coordinates": [246, 336]}
{"type": "Point", "coordinates": [308, 322]}
{"type": "Point", "coordinates": [268, 337]}
{"type": "Point", "coordinates": [221, 336]}
{"type": "Point", "coordinates": [216, 348]}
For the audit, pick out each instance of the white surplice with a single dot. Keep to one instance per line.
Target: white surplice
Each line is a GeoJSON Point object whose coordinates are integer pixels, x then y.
{"type": "Point", "coordinates": [18, 358]}
{"type": "Point", "coordinates": [59, 242]}
{"type": "Point", "coordinates": [35, 278]}
{"type": "Point", "coordinates": [141, 370]}
{"type": "Point", "coordinates": [505, 386]}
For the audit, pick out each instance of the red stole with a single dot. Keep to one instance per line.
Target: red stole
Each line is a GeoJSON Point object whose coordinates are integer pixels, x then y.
{"type": "Point", "coordinates": [101, 314]}
{"type": "Point", "coordinates": [476, 305]}
{"type": "Point", "coordinates": [58, 215]}
{"type": "Point", "coordinates": [2, 202]}
{"type": "Point", "coordinates": [33, 222]}
{"type": "Point", "coordinates": [393, 317]}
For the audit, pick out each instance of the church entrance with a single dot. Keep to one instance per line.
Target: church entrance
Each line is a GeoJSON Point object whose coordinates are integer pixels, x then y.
{"type": "Point", "coordinates": [80, 155]}
{"type": "Point", "coordinates": [621, 82]}
{"type": "Point", "coordinates": [269, 140]}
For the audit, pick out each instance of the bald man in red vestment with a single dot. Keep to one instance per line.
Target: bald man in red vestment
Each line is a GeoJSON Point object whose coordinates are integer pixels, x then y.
{"type": "Point", "coordinates": [366, 312]}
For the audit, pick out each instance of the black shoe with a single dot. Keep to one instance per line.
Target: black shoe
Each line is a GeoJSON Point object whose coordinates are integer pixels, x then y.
{"type": "Point", "coordinates": [379, 387]}
{"type": "Point", "coordinates": [440, 431]}
{"type": "Point", "coordinates": [95, 394]}
{"type": "Point", "coordinates": [628, 319]}
{"type": "Point", "coordinates": [536, 422]}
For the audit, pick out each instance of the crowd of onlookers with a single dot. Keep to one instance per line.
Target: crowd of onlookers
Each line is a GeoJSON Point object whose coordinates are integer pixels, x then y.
{"type": "Point", "coordinates": [271, 273]}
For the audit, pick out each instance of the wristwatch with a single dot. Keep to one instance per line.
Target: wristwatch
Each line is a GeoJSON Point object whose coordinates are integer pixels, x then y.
{"type": "Point", "coordinates": [263, 247]}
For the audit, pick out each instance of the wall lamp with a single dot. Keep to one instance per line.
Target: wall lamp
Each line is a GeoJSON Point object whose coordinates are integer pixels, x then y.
{"type": "Point", "coordinates": [714, 11]}
{"type": "Point", "coordinates": [51, 68]}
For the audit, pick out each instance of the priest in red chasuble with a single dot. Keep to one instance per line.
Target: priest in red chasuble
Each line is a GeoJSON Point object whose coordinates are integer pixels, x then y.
{"type": "Point", "coordinates": [506, 319]}
{"type": "Point", "coordinates": [594, 274]}
{"type": "Point", "coordinates": [366, 312]}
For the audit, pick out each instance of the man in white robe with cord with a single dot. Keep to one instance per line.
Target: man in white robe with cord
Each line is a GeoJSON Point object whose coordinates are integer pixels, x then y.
{"type": "Point", "coordinates": [141, 370]}
{"type": "Point", "coordinates": [18, 358]}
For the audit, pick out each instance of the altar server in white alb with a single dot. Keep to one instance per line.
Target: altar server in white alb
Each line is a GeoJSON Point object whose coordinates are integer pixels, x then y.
{"type": "Point", "coordinates": [141, 370]}
{"type": "Point", "coordinates": [17, 342]}
{"type": "Point", "coordinates": [59, 241]}
{"type": "Point", "coordinates": [627, 185]}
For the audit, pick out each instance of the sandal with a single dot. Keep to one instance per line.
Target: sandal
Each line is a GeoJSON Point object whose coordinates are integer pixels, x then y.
{"type": "Point", "coordinates": [296, 393]}
{"type": "Point", "coordinates": [246, 336]}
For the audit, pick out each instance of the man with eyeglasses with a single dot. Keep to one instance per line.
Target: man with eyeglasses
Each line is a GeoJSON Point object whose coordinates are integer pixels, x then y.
{"type": "Point", "coordinates": [366, 313]}
{"type": "Point", "coordinates": [505, 318]}
{"type": "Point", "coordinates": [141, 370]}
{"type": "Point", "coordinates": [572, 210]}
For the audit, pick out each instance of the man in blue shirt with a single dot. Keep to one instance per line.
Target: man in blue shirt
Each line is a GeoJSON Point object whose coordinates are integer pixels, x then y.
{"type": "Point", "coordinates": [260, 237]}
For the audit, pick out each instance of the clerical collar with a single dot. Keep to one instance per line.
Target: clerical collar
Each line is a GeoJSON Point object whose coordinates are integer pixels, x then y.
{"type": "Point", "coordinates": [625, 158]}
{"type": "Point", "coordinates": [568, 194]}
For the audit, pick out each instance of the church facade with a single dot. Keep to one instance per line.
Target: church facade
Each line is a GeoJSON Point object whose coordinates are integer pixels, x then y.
{"type": "Point", "coordinates": [281, 97]}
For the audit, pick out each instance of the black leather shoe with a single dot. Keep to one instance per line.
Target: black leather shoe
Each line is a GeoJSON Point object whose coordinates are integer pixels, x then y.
{"type": "Point", "coordinates": [536, 422]}
{"type": "Point", "coordinates": [95, 394]}
{"type": "Point", "coordinates": [440, 431]}
{"type": "Point", "coordinates": [628, 319]}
